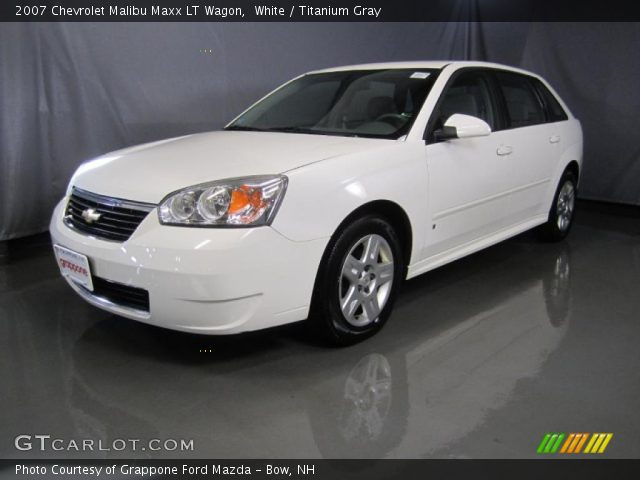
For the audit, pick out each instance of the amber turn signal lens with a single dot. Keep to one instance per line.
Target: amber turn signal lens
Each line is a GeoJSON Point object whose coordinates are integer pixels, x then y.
{"type": "Point", "coordinates": [245, 197]}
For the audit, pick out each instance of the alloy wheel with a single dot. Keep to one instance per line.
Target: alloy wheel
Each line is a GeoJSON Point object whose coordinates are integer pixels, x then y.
{"type": "Point", "coordinates": [365, 280]}
{"type": "Point", "coordinates": [565, 205]}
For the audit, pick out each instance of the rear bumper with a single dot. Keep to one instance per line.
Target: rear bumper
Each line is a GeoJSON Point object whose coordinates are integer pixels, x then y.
{"type": "Point", "coordinates": [202, 280]}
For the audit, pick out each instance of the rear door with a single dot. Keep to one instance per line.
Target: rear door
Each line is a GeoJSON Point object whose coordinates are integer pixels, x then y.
{"type": "Point", "coordinates": [534, 143]}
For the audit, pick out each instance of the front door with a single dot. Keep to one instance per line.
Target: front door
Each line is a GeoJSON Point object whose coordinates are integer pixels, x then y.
{"type": "Point", "coordinates": [467, 177]}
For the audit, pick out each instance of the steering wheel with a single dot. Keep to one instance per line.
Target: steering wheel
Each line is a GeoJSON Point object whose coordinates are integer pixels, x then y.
{"type": "Point", "coordinates": [395, 119]}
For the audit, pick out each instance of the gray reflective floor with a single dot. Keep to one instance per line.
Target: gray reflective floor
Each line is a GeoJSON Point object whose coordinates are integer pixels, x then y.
{"type": "Point", "coordinates": [480, 359]}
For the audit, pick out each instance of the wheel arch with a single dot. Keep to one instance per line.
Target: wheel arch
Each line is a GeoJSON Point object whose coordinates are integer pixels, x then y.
{"type": "Point", "coordinates": [571, 161]}
{"type": "Point", "coordinates": [392, 213]}
{"type": "Point", "coordinates": [574, 167]}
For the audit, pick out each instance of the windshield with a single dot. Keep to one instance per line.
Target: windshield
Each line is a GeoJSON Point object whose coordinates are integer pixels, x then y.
{"type": "Point", "coordinates": [367, 103]}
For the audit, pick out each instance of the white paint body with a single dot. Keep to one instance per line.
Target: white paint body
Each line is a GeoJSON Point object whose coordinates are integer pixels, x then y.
{"type": "Point", "coordinates": [228, 280]}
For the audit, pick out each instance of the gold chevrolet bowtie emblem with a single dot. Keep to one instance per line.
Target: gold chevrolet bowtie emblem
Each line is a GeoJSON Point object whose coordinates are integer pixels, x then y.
{"type": "Point", "coordinates": [90, 215]}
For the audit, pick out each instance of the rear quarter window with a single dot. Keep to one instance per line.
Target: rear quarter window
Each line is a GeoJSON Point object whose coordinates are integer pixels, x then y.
{"type": "Point", "coordinates": [553, 109]}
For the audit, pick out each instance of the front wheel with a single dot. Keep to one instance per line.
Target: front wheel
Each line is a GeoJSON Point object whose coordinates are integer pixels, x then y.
{"type": "Point", "coordinates": [358, 281]}
{"type": "Point", "coordinates": [562, 209]}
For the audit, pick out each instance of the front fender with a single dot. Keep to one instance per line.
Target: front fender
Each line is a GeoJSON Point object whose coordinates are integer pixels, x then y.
{"type": "Point", "coordinates": [321, 195]}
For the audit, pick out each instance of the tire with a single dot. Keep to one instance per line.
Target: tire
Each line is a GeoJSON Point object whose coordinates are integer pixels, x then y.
{"type": "Point", "coordinates": [365, 287]}
{"type": "Point", "coordinates": [562, 209]}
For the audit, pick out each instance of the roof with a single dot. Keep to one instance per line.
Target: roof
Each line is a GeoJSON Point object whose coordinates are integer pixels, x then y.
{"type": "Point", "coordinates": [435, 64]}
{"type": "Point", "coordinates": [386, 65]}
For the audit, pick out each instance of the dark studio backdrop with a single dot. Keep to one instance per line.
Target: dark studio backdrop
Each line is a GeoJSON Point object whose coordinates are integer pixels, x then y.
{"type": "Point", "coordinates": [72, 91]}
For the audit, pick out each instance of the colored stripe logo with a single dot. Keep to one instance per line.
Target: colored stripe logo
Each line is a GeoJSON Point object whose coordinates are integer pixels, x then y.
{"type": "Point", "coordinates": [574, 443]}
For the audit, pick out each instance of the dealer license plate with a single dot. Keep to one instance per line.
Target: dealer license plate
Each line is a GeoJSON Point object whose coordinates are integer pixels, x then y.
{"type": "Point", "coordinates": [74, 265]}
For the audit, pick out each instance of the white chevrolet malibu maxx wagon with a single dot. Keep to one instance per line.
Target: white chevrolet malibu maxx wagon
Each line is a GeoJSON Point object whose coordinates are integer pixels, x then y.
{"type": "Point", "coordinates": [321, 198]}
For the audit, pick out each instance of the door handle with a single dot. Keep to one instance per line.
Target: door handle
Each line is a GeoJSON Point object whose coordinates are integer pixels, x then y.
{"type": "Point", "coordinates": [504, 150]}
{"type": "Point", "coordinates": [554, 138]}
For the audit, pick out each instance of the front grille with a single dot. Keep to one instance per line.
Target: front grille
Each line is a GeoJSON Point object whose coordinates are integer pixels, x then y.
{"type": "Point", "coordinates": [116, 220]}
{"type": "Point", "coordinates": [121, 294]}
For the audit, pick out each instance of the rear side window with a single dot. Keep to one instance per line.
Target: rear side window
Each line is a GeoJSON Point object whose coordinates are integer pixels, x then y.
{"type": "Point", "coordinates": [555, 112]}
{"type": "Point", "coordinates": [522, 102]}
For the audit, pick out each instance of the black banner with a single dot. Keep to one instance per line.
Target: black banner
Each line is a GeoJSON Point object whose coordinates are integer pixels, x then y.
{"type": "Point", "coordinates": [320, 469]}
{"type": "Point", "coordinates": [317, 11]}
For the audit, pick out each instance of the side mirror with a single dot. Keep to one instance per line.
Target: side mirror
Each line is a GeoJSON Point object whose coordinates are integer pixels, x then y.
{"type": "Point", "coordinates": [459, 125]}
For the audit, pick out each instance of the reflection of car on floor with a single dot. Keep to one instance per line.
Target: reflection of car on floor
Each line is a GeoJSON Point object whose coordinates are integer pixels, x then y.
{"type": "Point", "coordinates": [404, 400]}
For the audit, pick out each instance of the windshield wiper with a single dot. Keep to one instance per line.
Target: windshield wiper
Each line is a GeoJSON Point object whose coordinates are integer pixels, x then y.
{"type": "Point", "coordinates": [292, 129]}
{"type": "Point", "coordinates": [310, 131]}
{"type": "Point", "coordinates": [246, 129]}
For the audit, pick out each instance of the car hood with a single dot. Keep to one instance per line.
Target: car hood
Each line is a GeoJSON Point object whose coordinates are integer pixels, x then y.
{"type": "Point", "coordinates": [149, 172]}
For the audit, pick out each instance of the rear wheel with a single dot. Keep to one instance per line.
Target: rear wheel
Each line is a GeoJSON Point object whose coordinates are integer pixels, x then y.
{"type": "Point", "coordinates": [358, 281]}
{"type": "Point", "coordinates": [562, 210]}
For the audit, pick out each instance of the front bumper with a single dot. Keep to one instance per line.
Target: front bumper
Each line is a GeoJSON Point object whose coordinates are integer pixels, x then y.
{"type": "Point", "coordinates": [202, 280]}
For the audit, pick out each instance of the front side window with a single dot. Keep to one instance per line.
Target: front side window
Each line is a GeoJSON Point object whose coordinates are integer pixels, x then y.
{"type": "Point", "coordinates": [367, 103]}
{"type": "Point", "coordinates": [469, 94]}
{"type": "Point", "coordinates": [523, 105]}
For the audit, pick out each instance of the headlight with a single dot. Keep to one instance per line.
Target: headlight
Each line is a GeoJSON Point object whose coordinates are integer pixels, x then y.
{"type": "Point", "coordinates": [235, 202]}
